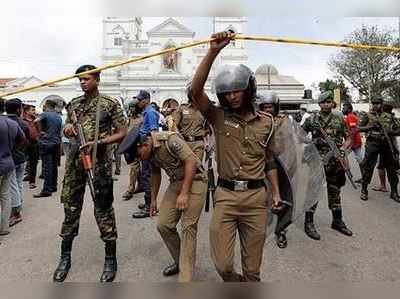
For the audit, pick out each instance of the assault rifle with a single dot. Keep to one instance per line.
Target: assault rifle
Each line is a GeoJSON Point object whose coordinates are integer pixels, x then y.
{"type": "Point", "coordinates": [211, 179]}
{"type": "Point", "coordinates": [335, 152]}
{"type": "Point", "coordinates": [84, 155]}
{"type": "Point", "coordinates": [393, 150]}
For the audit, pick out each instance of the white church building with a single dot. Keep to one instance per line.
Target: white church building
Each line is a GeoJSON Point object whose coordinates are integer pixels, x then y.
{"type": "Point", "coordinates": [165, 77]}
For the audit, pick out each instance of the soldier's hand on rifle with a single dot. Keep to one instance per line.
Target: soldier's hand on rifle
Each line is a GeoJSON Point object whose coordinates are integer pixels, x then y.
{"type": "Point", "coordinates": [88, 146]}
{"type": "Point", "coordinates": [182, 201]}
{"type": "Point", "coordinates": [69, 131]}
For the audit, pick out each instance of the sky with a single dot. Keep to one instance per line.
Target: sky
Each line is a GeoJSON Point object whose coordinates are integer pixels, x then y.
{"type": "Point", "coordinates": [49, 47]}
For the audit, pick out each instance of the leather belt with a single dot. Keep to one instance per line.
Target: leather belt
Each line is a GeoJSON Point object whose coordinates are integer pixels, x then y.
{"type": "Point", "coordinates": [193, 138]}
{"type": "Point", "coordinates": [240, 185]}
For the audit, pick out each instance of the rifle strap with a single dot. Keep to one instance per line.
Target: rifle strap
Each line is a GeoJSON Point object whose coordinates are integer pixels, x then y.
{"type": "Point", "coordinates": [325, 122]}
{"type": "Point", "coordinates": [96, 134]}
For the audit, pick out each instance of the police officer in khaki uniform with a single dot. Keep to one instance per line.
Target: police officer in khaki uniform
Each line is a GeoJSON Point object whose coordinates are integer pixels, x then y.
{"type": "Point", "coordinates": [183, 199]}
{"type": "Point", "coordinates": [244, 161]}
{"type": "Point", "coordinates": [192, 125]}
{"type": "Point", "coordinates": [269, 103]}
{"type": "Point", "coordinates": [135, 120]}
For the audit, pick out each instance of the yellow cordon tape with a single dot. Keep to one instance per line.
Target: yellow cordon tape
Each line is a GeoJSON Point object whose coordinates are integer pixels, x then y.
{"type": "Point", "coordinates": [205, 41]}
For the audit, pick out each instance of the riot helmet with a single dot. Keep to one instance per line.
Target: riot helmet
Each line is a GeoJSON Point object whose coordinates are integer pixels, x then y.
{"type": "Point", "coordinates": [269, 97]}
{"type": "Point", "coordinates": [231, 78]}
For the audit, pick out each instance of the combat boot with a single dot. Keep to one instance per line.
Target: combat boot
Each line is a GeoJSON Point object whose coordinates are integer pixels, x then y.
{"type": "Point", "coordinates": [65, 261]}
{"type": "Point", "coordinates": [281, 240]}
{"type": "Point", "coordinates": [309, 227]}
{"type": "Point", "coordinates": [364, 192]}
{"type": "Point", "coordinates": [171, 270]}
{"type": "Point", "coordinates": [338, 224]}
{"type": "Point", "coordinates": [110, 263]}
{"type": "Point", "coordinates": [395, 196]}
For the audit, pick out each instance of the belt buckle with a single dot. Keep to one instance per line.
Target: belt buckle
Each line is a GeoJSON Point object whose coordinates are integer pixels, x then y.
{"type": "Point", "coordinates": [241, 186]}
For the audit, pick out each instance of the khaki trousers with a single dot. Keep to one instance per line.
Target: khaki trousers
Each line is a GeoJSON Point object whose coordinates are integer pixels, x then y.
{"type": "Point", "coordinates": [245, 212]}
{"type": "Point", "coordinates": [133, 175]}
{"type": "Point", "coordinates": [183, 250]}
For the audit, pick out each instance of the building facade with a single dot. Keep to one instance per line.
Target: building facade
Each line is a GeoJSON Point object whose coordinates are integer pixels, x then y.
{"type": "Point", "coordinates": [165, 76]}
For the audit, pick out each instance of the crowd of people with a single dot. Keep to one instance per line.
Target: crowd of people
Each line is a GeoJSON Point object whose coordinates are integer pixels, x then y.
{"type": "Point", "coordinates": [20, 153]}
{"type": "Point", "coordinates": [174, 138]}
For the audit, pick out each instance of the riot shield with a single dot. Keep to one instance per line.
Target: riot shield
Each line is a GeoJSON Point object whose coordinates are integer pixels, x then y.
{"type": "Point", "coordinates": [301, 175]}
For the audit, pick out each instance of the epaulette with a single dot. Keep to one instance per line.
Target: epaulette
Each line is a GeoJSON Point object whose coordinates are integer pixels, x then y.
{"type": "Point", "coordinates": [114, 100]}
{"type": "Point", "coordinates": [264, 114]}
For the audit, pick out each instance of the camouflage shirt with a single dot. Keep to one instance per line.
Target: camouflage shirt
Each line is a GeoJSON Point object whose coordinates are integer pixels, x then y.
{"type": "Point", "coordinates": [111, 117]}
{"type": "Point", "coordinates": [333, 125]}
{"type": "Point", "coordinates": [387, 120]}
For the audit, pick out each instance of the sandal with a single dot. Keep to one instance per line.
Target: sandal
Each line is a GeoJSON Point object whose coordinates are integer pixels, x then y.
{"type": "Point", "coordinates": [380, 189]}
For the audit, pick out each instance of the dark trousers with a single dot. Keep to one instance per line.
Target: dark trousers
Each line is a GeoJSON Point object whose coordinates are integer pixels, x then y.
{"type": "Point", "coordinates": [33, 159]}
{"type": "Point", "coordinates": [373, 149]}
{"type": "Point", "coordinates": [145, 181]}
{"type": "Point", "coordinates": [49, 155]}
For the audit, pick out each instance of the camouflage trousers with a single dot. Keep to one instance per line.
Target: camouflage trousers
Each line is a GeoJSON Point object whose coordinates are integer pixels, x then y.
{"type": "Point", "coordinates": [73, 190]}
{"type": "Point", "coordinates": [335, 179]}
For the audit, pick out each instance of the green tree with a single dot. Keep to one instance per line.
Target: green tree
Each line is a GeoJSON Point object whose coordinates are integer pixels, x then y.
{"type": "Point", "coordinates": [372, 72]}
{"type": "Point", "coordinates": [331, 85]}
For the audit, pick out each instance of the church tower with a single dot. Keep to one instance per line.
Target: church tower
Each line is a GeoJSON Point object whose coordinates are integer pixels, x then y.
{"type": "Point", "coordinates": [115, 31]}
{"type": "Point", "coordinates": [235, 53]}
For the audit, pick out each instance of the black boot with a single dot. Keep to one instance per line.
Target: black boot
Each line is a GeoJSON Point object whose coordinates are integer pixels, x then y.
{"type": "Point", "coordinates": [309, 227]}
{"type": "Point", "coordinates": [110, 263]}
{"type": "Point", "coordinates": [338, 224]}
{"type": "Point", "coordinates": [65, 261]}
{"type": "Point", "coordinates": [395, 196]}
{"type": "Point", "coordinates": [281, 240]}
{"type": "Point", "coordinates": [143, 213]}
{"type": "Point", "coordinates": [364, 192]}
{"type": "Point", "coordinates": [171, 270]}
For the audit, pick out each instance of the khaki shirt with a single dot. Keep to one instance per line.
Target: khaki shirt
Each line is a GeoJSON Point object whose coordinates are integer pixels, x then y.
{"type": "Point", "coordinates": [241, 144]}
{"type": "Point", "coordinates": [135, 121]}
{"type": "Point", "coordinates": [190, 122]}
{"type": "Point", "coordinates": [169, 153]}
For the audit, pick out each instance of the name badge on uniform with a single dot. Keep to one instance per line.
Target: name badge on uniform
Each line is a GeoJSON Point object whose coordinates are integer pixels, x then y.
{"type": "Point", "coordinates": [231, 124]}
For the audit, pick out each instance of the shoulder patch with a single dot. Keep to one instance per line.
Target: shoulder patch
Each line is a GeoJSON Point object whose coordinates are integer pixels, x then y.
{"type": "Point", "coordinates": [111, 99]}
{"type": "Point", "coordinates": [175, 146]}
{"type": "Point", "coordinates": [76, 99]}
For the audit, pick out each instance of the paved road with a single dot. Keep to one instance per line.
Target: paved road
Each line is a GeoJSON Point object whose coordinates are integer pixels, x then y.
{"type": "Point", "coordinates": [31, 252]}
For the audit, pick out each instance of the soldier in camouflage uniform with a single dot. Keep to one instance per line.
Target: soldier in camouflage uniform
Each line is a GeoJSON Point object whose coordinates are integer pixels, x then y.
{"type": "Point", "coordinates": [373, 125]}
{"type": "Point", "coordinates": [336, 129]}
{"type": "Point", "coordinates": [183, 200]}
{"type": "Point", "coordinates": [74, 184]}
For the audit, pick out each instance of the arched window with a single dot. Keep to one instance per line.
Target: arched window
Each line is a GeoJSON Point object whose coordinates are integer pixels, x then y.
{"type": "Point", "coordinates": [117, 41]}
{"type": "Point", "coordinates": [118, 33]}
